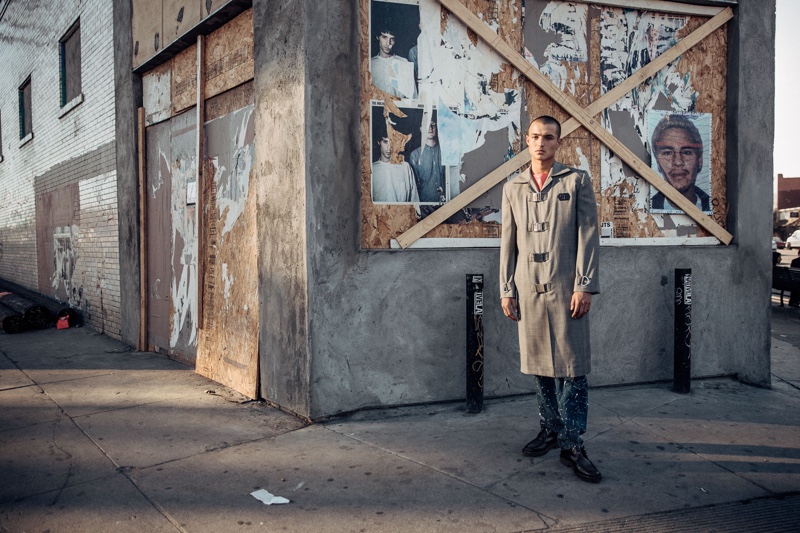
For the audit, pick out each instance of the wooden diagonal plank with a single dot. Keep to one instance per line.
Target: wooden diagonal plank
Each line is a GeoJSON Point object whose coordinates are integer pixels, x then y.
{"type": "Point", "coordinates": [486, 183]}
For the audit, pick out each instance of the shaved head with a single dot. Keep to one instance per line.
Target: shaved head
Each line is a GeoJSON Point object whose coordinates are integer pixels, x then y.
{"type": "Point", "coordinates": [548, 121]}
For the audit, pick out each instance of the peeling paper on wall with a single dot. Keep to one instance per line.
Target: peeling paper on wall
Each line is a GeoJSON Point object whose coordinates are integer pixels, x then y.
{"type": "Point", "coordinates": [227, 279]}
{"type": "Point", "coordinates": [456, 78]}
{"type": "Point", "coordinates": [630, 39]}
{"type": "Point", "coordinates": [233, 184]}
{"type": "Point", "coordinates": [568, 21]}
{"type": "Point", "coordinates": [184, 232]}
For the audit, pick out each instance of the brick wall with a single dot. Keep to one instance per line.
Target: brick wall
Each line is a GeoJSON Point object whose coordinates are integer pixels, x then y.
{"type": "Point", "coordinates": [61, 250]}
{"type": "Point", "coordinates": [98, 262]}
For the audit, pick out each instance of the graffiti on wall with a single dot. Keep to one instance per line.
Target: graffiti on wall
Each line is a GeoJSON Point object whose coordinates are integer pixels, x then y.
{"type": "Point", "coordinates": [65, 256]}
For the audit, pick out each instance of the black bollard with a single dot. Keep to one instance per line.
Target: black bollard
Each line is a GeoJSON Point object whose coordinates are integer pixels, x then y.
{"type": "Point", "coordinates": [474, 343]}
{"type": "Point", "coordinates": [683, 331]}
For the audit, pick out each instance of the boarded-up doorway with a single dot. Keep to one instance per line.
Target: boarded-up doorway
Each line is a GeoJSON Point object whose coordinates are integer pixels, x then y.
{"type": "Point", "coordinates": [172, 238]}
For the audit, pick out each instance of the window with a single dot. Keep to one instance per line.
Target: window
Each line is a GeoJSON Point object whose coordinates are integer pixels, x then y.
{"type": "Point", "coordinates": [70, 50]}
{"type": "Point", "coordinates": [25, 119]}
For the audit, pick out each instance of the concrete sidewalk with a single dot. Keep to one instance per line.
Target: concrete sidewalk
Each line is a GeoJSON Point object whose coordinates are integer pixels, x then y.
{"type": "Point", "coordinates": [95, 437]}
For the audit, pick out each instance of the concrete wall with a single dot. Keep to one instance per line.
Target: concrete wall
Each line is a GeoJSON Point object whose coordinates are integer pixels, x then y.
{"type": "Point", "coordinates": [282, 166]}
{"type": "Point", "coordinates": [387, 328]}
{"type": "Point", "coordinates": [58, 211]}
{"type": "Point", "coordinates": [751, 108]}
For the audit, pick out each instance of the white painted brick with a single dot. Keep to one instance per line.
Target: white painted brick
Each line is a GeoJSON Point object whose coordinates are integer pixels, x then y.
{"type": "Point", "coordinates": [31, 33]}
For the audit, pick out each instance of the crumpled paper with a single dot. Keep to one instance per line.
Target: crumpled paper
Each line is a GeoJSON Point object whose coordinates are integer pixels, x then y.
{"type": "Point", "coordinates": [267, 497]}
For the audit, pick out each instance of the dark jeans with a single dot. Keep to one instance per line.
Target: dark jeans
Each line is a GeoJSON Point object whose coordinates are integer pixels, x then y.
{"type": "Point", "coordinates": [563, 407]}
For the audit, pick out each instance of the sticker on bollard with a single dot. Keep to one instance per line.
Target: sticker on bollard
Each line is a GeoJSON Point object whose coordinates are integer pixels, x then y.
{"type": "Point", "coordinates": [474, 343]}
{"type": "Point", "coordinates": [682, 349]}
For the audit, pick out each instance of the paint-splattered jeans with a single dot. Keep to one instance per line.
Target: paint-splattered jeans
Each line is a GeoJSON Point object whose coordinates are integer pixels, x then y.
{"type": "Point", "coordinates": [563, 407]}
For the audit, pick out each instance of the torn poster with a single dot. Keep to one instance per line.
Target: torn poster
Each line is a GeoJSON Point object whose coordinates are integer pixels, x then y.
{"type": "Point", "coordinates": [462, 92]}
{"type": "Point", "coordinates": [680, 146]}
{"type": "Point", "coordinates": [631, 39]}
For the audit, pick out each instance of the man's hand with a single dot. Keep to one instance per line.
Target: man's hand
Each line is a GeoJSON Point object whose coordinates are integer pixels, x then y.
{"type": "Point", "coordinates": [510, 308]}
{"type": "Point", "coordinates": [580, 304]}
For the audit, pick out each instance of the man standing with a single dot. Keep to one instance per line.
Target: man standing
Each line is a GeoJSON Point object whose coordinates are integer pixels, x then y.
{"type": "Point", "coordinates": [427, 164]}
{"type": "Point", "coordinates": [548, 273]}
{"type": "Point", "coordinates": [678, 150]}
{"type": "Point", "coordinates": [391, 73]}
{"type": "Point", "coordinates": [392, 182]}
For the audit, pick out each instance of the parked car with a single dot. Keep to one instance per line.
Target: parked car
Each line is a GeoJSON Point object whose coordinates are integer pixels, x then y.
{"type": "Point", "coordinates": [793, 241]}
{"type": "Point", "coordinates": [779, 244]}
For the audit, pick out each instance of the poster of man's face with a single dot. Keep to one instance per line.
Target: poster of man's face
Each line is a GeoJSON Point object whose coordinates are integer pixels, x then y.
{"type": "Point", "coordinates": [394, 28]}
{"type": "Point", "coordinates": [680, 151]}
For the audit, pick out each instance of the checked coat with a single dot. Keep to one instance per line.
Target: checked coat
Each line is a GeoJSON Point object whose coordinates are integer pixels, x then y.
{"type": "Point", "coordinates": [548, 250]}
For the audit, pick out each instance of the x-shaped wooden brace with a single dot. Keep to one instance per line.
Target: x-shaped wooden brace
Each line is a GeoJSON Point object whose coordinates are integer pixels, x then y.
{"type": "Point", "coordinates": [580, 117]}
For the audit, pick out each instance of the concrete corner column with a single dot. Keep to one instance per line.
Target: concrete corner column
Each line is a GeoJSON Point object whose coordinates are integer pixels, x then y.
{"type": "Point", "coordinates": [751, 130]}
{"type": "Point", "coordinates": [127, 98]}
{"type": "Point", "coordinates": [279, 33]}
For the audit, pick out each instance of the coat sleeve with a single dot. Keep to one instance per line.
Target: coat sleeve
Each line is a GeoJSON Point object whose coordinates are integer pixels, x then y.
{"type": "Point", "coordinates": [508, 248]}
{"type": "Point", "coordinates": [586, 266]}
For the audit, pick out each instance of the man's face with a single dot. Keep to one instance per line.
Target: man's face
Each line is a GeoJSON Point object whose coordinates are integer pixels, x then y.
{"type": "Point", "coordinates": [679, 159]}
{"type": "Point", "coordinates": [386, 149]}
{"type": "Point", "coordinates": [432, 130]}
{"type": "Point", "coordinates": [543, 141]}
{"type": "Point", "coordinates": [385, 44]}
{"type": "Point", "coordinates": [652, 34]}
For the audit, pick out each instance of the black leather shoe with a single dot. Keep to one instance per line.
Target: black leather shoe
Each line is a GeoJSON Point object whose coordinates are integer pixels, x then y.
{"type": "Point", "coordinates": [580, 463]}
{"type": "Point", "coordinates": [545, 441]}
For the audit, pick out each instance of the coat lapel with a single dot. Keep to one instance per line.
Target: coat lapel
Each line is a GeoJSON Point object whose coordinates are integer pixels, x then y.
{"type": "Point", "coordinates": [555, 172]}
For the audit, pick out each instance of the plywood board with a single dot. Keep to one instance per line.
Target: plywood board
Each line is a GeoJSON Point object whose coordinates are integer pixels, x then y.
{"type": "Point", "coordinates": [480, 98]}
{"type": "Point", "coordinates": [228, 344]}
{"type": "Point", "coordinates": [230, 101]}
{"type": "Point", "coordinates": [147, 30]}
{"type": "Point", "coordinates": [586, 50]}
{"type": "Point", "coordinates": [709, 73]}
{"type": "Point", "coordinates": [229, 55]}
{"type": "Point", "coordinates": [156, 94]}
{"type": "Point", "coordinates": [184, 80]}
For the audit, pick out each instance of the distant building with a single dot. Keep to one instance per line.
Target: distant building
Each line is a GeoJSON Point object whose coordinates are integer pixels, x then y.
{"type": "Point", "coordinates": [788, 192]}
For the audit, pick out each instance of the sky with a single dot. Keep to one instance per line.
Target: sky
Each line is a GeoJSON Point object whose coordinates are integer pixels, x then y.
{"type": "Point", "coordinates": [786, 158]}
